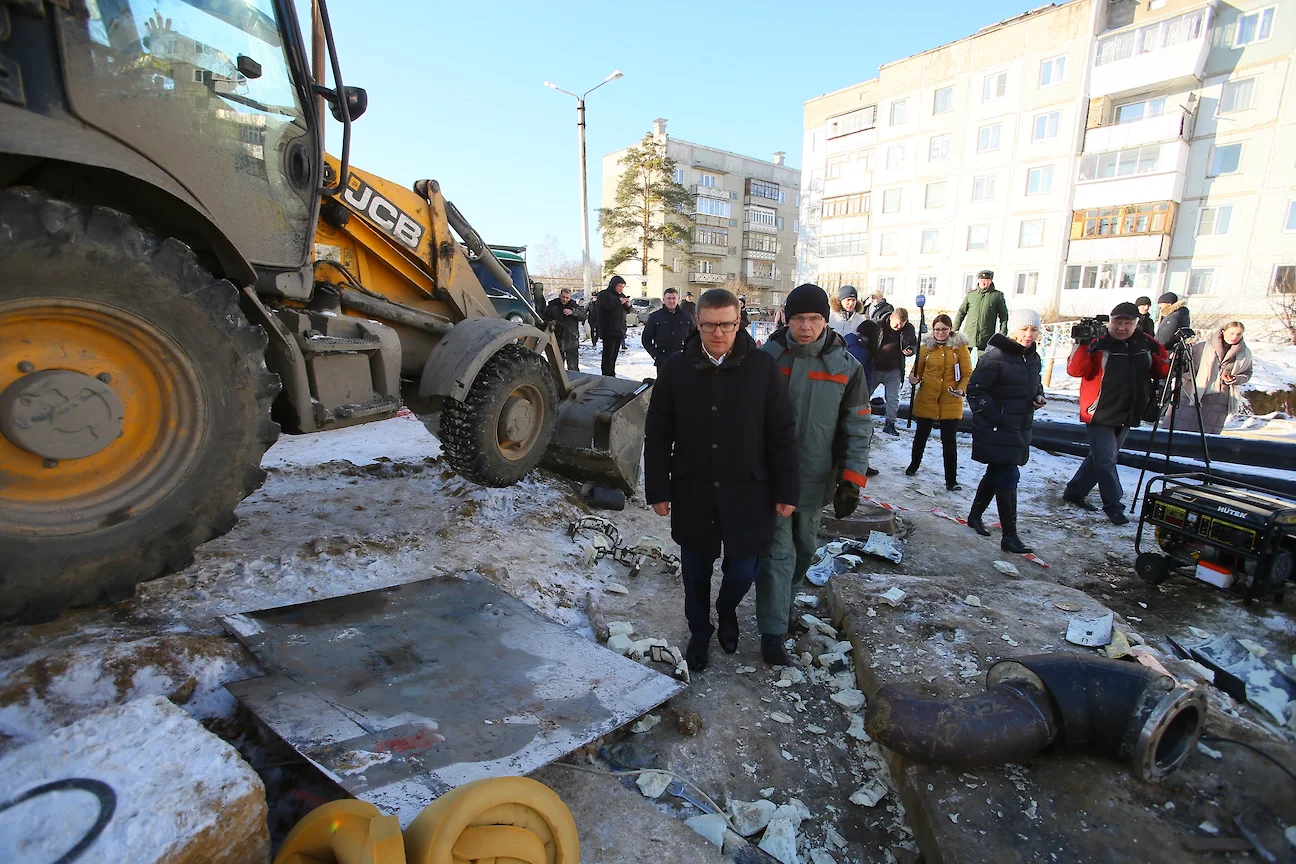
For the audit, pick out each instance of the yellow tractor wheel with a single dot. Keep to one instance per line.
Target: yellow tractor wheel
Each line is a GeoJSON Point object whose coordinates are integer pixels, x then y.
{"type": "Point", "coordinates": [134, 405]}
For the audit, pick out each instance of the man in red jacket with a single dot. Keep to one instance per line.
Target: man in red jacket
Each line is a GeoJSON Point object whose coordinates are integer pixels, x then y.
{"type": "Point", "coordinates": [1118, 373]}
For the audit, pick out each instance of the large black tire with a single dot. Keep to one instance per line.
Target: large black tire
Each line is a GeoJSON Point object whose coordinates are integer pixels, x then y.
{"type": "Point", "coordinates": [472, 431]}
{"type": "Point", "coordinates": [179, 331]}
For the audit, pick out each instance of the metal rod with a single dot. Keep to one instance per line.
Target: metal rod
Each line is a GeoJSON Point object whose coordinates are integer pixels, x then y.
{"type": "Point", "coordinates": [317, 67]}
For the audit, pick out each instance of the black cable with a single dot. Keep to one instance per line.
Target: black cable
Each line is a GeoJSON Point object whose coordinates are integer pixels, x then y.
{"type": "Point", "coordinates": [107, 807]}
{"type": "Point", "coordinates": [1253, 749]}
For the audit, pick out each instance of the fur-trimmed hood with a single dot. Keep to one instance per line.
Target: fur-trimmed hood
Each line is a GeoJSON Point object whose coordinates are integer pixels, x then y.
{"type": "Point", "coordinates": [1167, 308]}
{"type": "Point", "coordinates": [956, 341]}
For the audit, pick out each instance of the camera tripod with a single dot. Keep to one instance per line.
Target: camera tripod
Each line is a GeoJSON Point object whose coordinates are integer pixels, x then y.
{"type": "Point", "coordinates": [1171, 395]}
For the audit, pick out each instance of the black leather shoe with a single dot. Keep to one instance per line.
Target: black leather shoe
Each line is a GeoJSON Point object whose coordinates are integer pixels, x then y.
{"type": "Point", "coordinates": [1080, 502]}
{"type": "Point", "coordinates": [727, 633]}
{"type": "Point", "coordinates": [773, 651]}
{"type": "Point", "coordinates": [911, 470]}
{"type": "Point", "coordinates": [695, 655]}
{"type": "Point", "coordinates": [871, 472]}
{"type": "Point", "coordinates": [1117, 517]}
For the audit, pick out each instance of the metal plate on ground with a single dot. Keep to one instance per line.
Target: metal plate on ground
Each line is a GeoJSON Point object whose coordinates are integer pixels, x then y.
{"type": "Point", "coordinates": [404, 693]}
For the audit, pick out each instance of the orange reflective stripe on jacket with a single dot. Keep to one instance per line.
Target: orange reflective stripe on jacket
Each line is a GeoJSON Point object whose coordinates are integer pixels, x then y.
{"type": "Point", "coordinates": [816, 375]}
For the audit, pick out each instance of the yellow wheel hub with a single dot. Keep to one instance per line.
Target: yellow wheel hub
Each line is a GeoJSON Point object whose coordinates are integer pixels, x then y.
{"type": "Point", "coordinates": [101, 414]}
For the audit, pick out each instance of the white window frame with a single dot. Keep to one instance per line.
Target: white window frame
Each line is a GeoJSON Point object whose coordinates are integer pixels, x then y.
{"type": "Point", "coordinates": [1026, 278]}
{"type": "Point", "coordinates": [1022, 234]}
{"type": "Point", "coordinates": [1214, 220]}
{"type": "Point", "coordinates": [886, 195]}
{"type": "Point", "coordinates": [927, 286]}
{"type": "Point", "coordinates": [1210, 282]}
{"type": "Point", "coordinates": [930, 242]}
{"type": "Point", "coordinates": [969, 283]}
{"type": "Point", "coordinates": [707, 180]}
{"type": "Point", "coordinates": [1057, 71]}
{"type": "Point", "coordinates": [678, 176]}
{"type": "Point", "coordinates": [1290, 224]}
{"type": "Point", "coordinates": [895, 157]}
{"type": "Point", "coordinates": [1042, 176]}
{"type": "Point", "coordinates": [1145, 159]}
{"type": "Point", "coordinates": [886, 284]}
{"type": "Point", "coordinates": [987, 183]}
{"type": "Point", "coordinates": [993, 132]}
{"type": "Point", "coordinates": [1157, 107]}
{"type": "Point", "coordinates": [1210, 167]}
{"type": "Point", "coordinates": [1051, 121]}
{"type": "Point", "coordinates": [937, 187]}
{"type": "Point", "coordinates": [887, 239]}
{"type": "Point", "coordinates": [938, 147]}
{"type": "Point", "coordinates": [1236, 84]}
{"type": "Point", "coordinates": [1261, 35]}
{"type": "Point", "coordinates": [722, 209]}
{"type": "Point", "coordinates": [899, 107]}
{"type": "Point", "coordinates": [994, 86]}
{"type": "Point", "coordinates": [984, 231]}
{"type": "Point", "coordinates": [1273, 279]}
{"type": "Point", "coordinates": [949, 103]}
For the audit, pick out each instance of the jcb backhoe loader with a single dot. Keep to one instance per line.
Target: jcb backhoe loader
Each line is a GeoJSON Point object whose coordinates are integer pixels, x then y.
{"type": "Point", "coordinates": [184, 274]}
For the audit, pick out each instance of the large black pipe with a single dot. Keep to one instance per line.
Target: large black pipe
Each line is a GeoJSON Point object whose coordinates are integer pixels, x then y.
{"type": "Point", "coordinates": [1117, 709]}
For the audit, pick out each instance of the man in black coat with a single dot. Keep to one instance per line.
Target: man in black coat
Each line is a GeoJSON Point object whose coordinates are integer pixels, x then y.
{"type": "Point", "coordinates": [667, 329]}
{"type": "Point", "coordinates": [1174, 316]}
{"type": "Point", "coordinates": [720, 458]}
{"type": "Point", "coordinates": [1145, 323]}
{"type": "Point", "coordinates": [611, 307]}
{"type": "Point", "coordinates": [566, 315]}
{"type": "Point", "coordinates": [688, 305]}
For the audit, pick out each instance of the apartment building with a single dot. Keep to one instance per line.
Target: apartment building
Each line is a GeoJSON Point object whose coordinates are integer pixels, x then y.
{"type": "Point", "coordinates": [1087, 152]}
{"type": "Point", "coordinates": [747, 218]}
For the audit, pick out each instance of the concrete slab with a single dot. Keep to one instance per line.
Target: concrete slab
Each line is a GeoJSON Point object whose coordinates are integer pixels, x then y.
{"type": "Point", "coordinates": [1062, 806]}
{"type": "Point", "coordinates": [867, 517]}
{"type": "Point", "coordinates": [139, 783]}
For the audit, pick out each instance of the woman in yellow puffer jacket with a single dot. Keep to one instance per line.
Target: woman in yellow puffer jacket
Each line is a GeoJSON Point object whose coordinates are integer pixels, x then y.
{"type": "Point", "coordinates": [944, 367]}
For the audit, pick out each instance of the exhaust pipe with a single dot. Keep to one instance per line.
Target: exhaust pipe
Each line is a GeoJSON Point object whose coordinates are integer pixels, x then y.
{"type": "Point", "coordinates": [1117, 709]}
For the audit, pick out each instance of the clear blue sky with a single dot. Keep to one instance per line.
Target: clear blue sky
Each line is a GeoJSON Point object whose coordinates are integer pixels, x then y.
{"type": "Point", "coordinates": [455, 89]}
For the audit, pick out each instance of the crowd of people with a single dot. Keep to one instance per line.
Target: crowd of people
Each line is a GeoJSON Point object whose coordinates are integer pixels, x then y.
{"type": "Point", "coordinates": [747, 443]}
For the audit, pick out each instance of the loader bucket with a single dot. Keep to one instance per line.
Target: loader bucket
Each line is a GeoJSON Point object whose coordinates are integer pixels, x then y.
{"type": "Point", "coordinates": [600, 431]}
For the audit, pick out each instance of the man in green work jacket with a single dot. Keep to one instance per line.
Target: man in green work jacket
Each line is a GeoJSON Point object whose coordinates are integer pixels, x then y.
{"type": "Point", "coordinates": [834, 428]}
{"type": "Point", "coordinates": [986, 310]}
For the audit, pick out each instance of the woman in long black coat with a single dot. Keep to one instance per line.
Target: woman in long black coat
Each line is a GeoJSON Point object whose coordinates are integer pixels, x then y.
{"type": "Point", "coordinates": [1004, 392]}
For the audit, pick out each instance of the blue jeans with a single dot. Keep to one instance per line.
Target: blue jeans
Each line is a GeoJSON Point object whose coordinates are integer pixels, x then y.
{"type": "Point", "coordinates": [1099, 467]}
{"type": "Point", "coordinates": [695, 567]}
{"type": "Point", "coordinates": [1003, 475]}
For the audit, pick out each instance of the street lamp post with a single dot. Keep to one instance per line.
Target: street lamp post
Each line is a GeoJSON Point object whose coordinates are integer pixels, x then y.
{"type": "Point", "coordinates": [584, 184]}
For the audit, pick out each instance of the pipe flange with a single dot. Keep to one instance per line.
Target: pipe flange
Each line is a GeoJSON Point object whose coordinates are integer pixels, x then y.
{"type": "Point", "coordinates": [61, 414]}
{"type": "Point", "coordinates": [1170, 732]}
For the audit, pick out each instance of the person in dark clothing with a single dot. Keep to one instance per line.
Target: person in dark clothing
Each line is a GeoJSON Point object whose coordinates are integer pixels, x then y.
{"type": "Point", "coordinates": [688, 305]}
{"type": "Point", "coordinates": [1172, 315]}
{"type": "Point", "coordinates": [1118, 372]}
{"type": "Point", "coordinates": [742, 313]}
{"type": "Point", "coordinates": [1145, 322]}
{"type": "Point", "coordinates": [897, 343]}
{"type": "Point", "coordinates": [720, 474]}
{"type": "Point", "coordinates": [566, 315]}
{"type": "Point", "coordinates": [863, 346]}
{"type": "Point", "coordinates": [612, 305]}
{"type": "Point", "coordinates": [1004, 392]}
{"type": "Point", "coordinates": [667, 329]}
{"type": "Point", "coordinates": [878, 308]}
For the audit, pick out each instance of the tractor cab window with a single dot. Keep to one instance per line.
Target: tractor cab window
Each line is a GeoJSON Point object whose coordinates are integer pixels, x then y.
{"type": "Point", "coordinates": [204, 88]}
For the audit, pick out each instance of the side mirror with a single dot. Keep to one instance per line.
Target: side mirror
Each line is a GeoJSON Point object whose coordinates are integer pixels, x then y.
{"type": "Point", "coordinates": [357, 101]}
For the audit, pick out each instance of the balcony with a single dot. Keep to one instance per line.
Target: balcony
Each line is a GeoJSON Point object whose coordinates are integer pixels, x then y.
{"type": "Point", "coordinates": [1155, 247]}
{"type": "Point", "coordinates": [758, 255]}
{"type": "Point", "coordinates": [759, 281]}
{"type": "Point", "coordinates": [761, 201]}
{"type": "Point", "coordinates": [760, 227]}
{"type": "Point", "coordinates": [1164, 182]}
{"type": "Point", "coordinates": [1134, 232]}
{"type": "Point", "coordinates": [1165, 54]}
{"type": "Point", "coordinates": [706, 278]}
{"type": "Point", "coordinates": [1170, 126]}
{"type": "Point", "coordinates": [710, 191]}
{"type": "Point", "coordinates": [710, 249]}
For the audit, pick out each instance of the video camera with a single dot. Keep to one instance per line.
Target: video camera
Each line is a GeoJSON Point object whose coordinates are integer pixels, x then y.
{"type": "Point", "coordinates": [1089, 329]}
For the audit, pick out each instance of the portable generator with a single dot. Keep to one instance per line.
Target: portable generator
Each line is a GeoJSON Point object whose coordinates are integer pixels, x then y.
{"type": "Point", "coordinates": [1232, 535]}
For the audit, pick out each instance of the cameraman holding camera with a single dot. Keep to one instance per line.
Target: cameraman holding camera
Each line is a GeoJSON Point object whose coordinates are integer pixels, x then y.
{"type": "Point", "coordinates": [1118, 369]}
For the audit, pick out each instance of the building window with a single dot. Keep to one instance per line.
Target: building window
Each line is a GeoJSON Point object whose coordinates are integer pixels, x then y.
{"type": "Point", "coordinates": [1225, 159]}
{"type": "Point", "coordinates": [835, 166]}
{"type": "Point", "coordinates": [1132, 112]}
{"type": "Point", "coordinates": [678, 176]}
{"type": "Point", "coordinates": [1284, 281]}
{"type": "Point", "coordinates": [760, 216]}
{"type": "Point", "coordinates": [795, 228]}
{"type": "Point", "coordinates": [943, 100]}
{"type": "Point", "coordinates": [891, 201]}
{"type": "Point", "coordinates": [1157, 218]}
{"type": "Point", "coordinates": [927, 285]}
{"type": "Point", "coordinates": [780, 223]}
{"type": "Point", "coordinates": [844, 164]}
{"type": "Point", "coordinates": [712, 207]}
{"type": "Point", "coordinates": [1291, 216]}
{"type": "Point", "coordinates": [704, 266]}
{"type": "Point", "coordinates": [1133, 276]}
{"type": "Point", "coordinates": [994, 86]}
{"type": "Point", "coordinates": [1254, 26]}
{"type": "Point", "coordinates": [939, 148]}
{"type": "Point", "coordinates": [935, 196]}
{"type": "Point", "coordinates": [1237, 95]}
{"type": "Point", "coordinates": [1201, 282]}
{"type": "Point", "coordinates": [886, 284]}
{"type": "Point", "coordinates": [1031, 233]}
{"type": "Point", "coordinates": [844, 205]}
{"type": "Point", "coordinates": [988, 138]}
{"type": "Point", "coordinates": [969, 283]}
{"type": "Point", "coordinates": [843, 244]}
{"type": "Point", "coordinates": [710, 236]}
{"type": "Point", "coordinates": [1046, 126]}
{"type": "Point", "coordinates": [1214, 220]}
{"type": "Point", "coordinates": [1120, 163]}
{"type": "Point", "coordinates": [887, 244]}
{"type": "Point", "coordinates": [198, 75]}
{"type": "Point", "coordinates": [983, 187]}
{"type": "Point", "coordinates": [760, 242]}
{"type": "Point", "coordinates": [763, 189]}
{"type": "Point", "coordinates": [1052, 71]}
{"type": "Point", "coordinates": [855, 121]}
{"type": "Point", "coordinates": [930, 240]}
{"type": "Point", "coordinates": [1153, 37]}
{"type": "Point", "coordinates": [1027, 283]}
{"type": "Point", "coordinates": [1039, 181]}
{"type": "Point", "coordinates": [895, 157]}
{"type": "Point", "coordinates": [978, 237]}
{"type": "Point", "coordinates": [899, 111]}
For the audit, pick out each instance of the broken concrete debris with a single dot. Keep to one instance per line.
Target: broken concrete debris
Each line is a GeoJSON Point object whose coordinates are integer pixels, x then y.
{"type": "Point", "coordinates": [616, 588]}
{"type": "Point", "coordinates": [972, 600]}
{"type": "Point", "coordinates": [780, 837]}
{"type": "Point", "coordinates": [780, 717]}
{"type": "Point", "coordinates": [1090, 632]}
{"type": "Point", "coordinates": [815, 625]}
{"type": "Point", "coordinates": [1243, 674]}
{"type": "Point", "coordinates": [643, 724]}
{"type": "Point", "coordinates": [869, 794]}
{"type": "Point", "coordinates": [750, 817]}
{"type": "Point", "coordinates": [892, 596]}
{"type": "Point", "coordinates": [711, 826]}
{"type": "Point", "coordinates": [624, 628]}
{"type": "Point", "coordinates": [856, 729]}
{"type": "Point", "coordinates": [1006, 568]}
{"type": "Point", "coordinates": [653, 783]}
{"type": "Point", "coordinates": [851, 700]}
{"type": "Point", "coordinates": [808, 600]}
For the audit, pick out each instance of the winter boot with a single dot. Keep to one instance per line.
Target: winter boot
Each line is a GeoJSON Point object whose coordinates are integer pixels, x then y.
{"type": "Point", "coordinates": [695, 655]}
{"type": "Point", "coordinates": [773, 652]}
{"type": "Point", "coordinates": [1006, 499]}
{"type": "Point", "coordinates": [984, 495]}
{"type": "Point", "coordinates": [727, 632]}
{"type": "Point", "coordinates": [950, 455]}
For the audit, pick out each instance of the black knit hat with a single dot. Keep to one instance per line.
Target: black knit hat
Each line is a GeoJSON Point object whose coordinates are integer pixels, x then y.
{"type": "Point", "coordinates": [807, 299]}
{"type": "Point", "coordinates": [847, 291]}
{"type": "Point", "coordinates": [1143, 301]}
{"type": "Point", "coordinates": [1168, 297]}
{"type": "Point", "coordinates": [1125, 310]}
